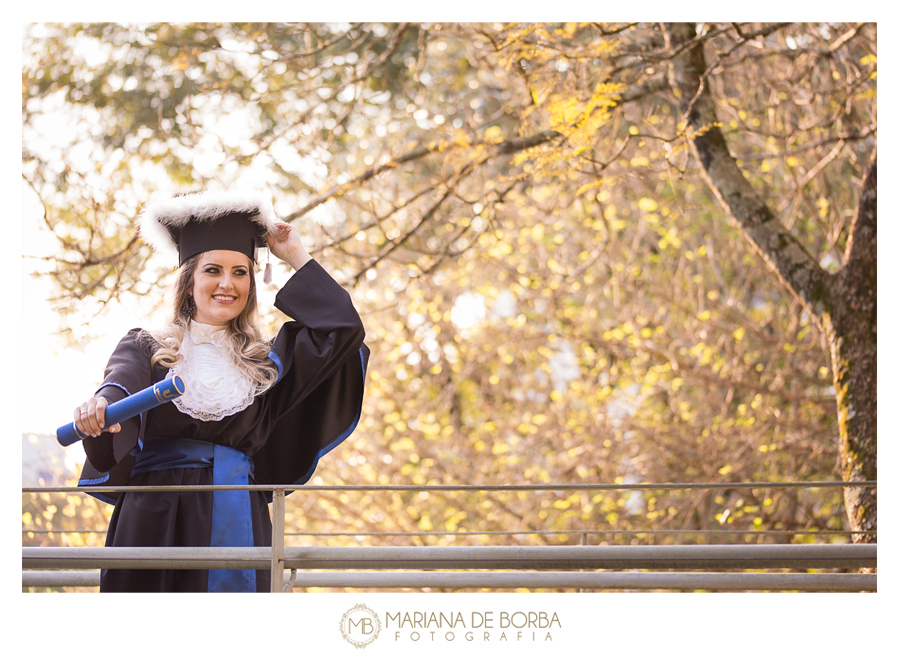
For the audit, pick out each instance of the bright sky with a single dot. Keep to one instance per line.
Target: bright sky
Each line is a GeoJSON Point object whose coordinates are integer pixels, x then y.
{"type": "Point", "coordinates": [64, 376]}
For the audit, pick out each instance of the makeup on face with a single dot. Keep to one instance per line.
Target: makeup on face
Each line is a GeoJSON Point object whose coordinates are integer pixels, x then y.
{"type": "Point", "coordinates": [221, 286]}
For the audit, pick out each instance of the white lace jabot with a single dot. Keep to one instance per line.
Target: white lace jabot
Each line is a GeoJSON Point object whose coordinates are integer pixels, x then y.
{"type": "Point", "coordinates": [214, 386]}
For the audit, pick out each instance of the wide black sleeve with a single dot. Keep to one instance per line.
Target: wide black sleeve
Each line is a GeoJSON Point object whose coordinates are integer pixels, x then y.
{"type": "Point", "coordinates": [127, 372]}
{"type": "Point", "coordinates": [324, 332]}
{"type": "Point", "coordinates": [318, 400]}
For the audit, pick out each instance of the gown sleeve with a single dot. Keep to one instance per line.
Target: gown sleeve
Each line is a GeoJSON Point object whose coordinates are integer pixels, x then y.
{"type": "Point", "coordinates": [322, 361]}
{"type": "Point", "coordinates": [127, 372]}
{"type": "Point", "coordinates": [325, 330]}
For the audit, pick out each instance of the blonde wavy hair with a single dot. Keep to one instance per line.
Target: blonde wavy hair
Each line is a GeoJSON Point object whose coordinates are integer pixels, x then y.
{"type": "Point", "coordinates": [247, 345]}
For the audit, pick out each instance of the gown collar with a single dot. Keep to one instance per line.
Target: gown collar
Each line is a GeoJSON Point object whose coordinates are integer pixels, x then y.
{"type": "Point", "coordinates": [207, 333]}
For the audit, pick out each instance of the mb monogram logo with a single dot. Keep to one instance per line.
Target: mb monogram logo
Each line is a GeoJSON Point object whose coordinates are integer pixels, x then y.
{"type": "Point", "coordinates": [360, 626]}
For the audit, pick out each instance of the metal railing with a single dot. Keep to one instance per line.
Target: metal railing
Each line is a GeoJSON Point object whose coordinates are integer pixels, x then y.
{"type": "Point", "coordinates": [410, 567]}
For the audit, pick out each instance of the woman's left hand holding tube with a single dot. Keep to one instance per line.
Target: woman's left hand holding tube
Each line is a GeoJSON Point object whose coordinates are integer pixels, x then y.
{"type": "Point", "coordinates": [91, 416]}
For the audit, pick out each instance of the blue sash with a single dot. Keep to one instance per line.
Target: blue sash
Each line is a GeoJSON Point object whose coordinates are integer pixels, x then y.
{"type": "Point", "coordinates": [232, 524]}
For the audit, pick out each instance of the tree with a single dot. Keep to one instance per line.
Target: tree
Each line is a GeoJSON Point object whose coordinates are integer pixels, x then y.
{"type": "Point", "coordinates": [843, 304]}
{"type": "Point", "coordinates": [536, 237]}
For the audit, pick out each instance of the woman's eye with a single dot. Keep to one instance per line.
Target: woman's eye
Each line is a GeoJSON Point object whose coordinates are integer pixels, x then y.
{"type": "Point", "coordinates": [211, 270]}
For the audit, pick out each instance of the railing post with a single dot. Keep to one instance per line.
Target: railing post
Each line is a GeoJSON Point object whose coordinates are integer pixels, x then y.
{"type": "Point", "coordinates": [278, 541]}
{"type": "Point", "coordinates": [583, 543]}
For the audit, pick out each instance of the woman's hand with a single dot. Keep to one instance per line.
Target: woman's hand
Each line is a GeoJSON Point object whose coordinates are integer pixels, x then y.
{"type": "Point", "coordinates": [285, 243]}
{"type": "Point", "coordinates": [90, 417]}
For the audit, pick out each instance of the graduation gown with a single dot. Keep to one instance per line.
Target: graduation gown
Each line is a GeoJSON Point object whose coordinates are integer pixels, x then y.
{"type": "Point", "coordinates": [313, 407]}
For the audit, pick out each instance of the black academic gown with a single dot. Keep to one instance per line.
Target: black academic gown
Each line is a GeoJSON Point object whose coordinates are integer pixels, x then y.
{"type": "Point", "coordinates": [314, 406]}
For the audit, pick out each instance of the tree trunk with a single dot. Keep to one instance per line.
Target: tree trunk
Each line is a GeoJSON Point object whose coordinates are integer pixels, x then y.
{"type": "Point", "coordinates": [852, 335]}
{"type": "Point", "coordinates": [842, 305]}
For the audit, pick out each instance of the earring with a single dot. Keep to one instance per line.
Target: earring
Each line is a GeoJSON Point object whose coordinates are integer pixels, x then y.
{"type": "Point", "coordinates": [188, 308]}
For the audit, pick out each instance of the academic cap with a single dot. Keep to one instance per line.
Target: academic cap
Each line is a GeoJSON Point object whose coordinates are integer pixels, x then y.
{"type": "Point", "coordinates": [189, 224]}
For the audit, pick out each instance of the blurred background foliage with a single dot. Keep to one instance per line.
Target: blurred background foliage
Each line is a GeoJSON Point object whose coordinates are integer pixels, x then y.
{"type": "Point", "coordinates": [550, 290]}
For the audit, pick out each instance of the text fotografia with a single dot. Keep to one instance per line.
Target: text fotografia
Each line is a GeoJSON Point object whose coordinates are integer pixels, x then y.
{"type": "Point", "coordinates": [479, 626]}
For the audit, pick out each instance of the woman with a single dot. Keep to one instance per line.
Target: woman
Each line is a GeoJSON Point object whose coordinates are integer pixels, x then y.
{"type": "Point", "coordinates": [254, 411]}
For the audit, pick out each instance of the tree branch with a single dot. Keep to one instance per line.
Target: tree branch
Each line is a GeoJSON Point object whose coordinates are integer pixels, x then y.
{"type": "Point", "coordinates": [782, 252]}
{"type": "Point", "coordinates": [862, 245]}
{"type": "Point", "coordinates": [503, 148]}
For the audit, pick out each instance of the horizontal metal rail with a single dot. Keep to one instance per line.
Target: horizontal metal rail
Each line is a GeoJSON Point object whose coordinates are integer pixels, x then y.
{"type": "Point", "coordinates": [60, 579]}
{"type": "Point", "coordinates": [790, 556]}
{"type": "Point", "coordinates": [540, 533]}
{"type": "Point", "coordinates": [530, 580]}
{"type": "Point", "coordinates": [466, 487]}
{"type": "Point", "coordinates": [567, 580]}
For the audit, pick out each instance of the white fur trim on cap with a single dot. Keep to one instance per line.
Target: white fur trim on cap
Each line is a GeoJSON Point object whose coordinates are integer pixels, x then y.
{"type": "Point", "coordinates": [202, 206]}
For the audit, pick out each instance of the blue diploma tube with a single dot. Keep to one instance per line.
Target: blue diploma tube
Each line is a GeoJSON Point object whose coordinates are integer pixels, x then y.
{"type": "Point", "coordinates": [152, 396]}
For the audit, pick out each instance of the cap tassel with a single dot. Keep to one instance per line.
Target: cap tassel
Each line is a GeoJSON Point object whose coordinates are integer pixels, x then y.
{"type": "Point", "coordinates": [267, 273]}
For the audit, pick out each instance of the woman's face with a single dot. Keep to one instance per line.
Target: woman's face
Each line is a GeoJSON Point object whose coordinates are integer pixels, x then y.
{"type": "Point", "coordinates": [221, 286]}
